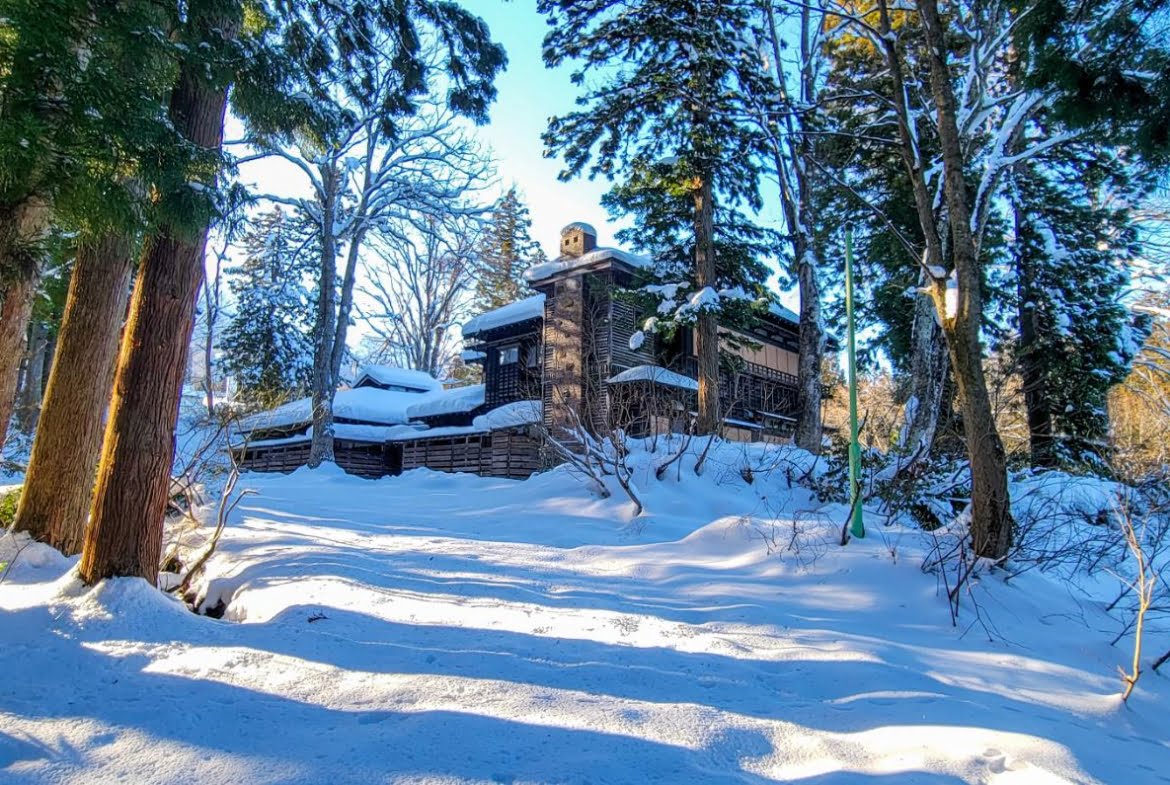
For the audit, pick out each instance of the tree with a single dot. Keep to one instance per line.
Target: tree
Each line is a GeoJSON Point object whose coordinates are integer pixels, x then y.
{"type": "Point", "coordinates": [366, 180]}
{"type": "Point", "coordinates": [124, 536]}
{"type": "Point", "coordinates": [417, 291]}
{"type": "Point", "coordinates": [125, 531]}
{"type": "Point", "coordinates": [793, 142]}
{"type": "Point", "coordinates": [671, 113]}
{"type": "Point", "coordinates": [1076, 339]}
{"type": "Point", "coordinates": [85, 109]}
{"type": "Point", "coordinates": [80, 88]}
{"type": "Point", "coordinates": [268, 341]}
{"type": "Point", "coordinates": [55, 499]}
{"type": "Point", "coordinates": [505, 251]}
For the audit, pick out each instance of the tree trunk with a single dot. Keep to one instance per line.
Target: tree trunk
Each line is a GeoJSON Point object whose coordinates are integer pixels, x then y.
{"type": "Point", "coordinates": [808, 434]}
{"type": "Point", "coordinates": [345, 304]}
{"type": "Point", "coordinates": [125, 532]}
{"type": "Point", "coordinates": [20, 228]}
{"type": "Point", "coordinates": [991, 520]}
{"type": "Point", "coordinates": [928, 376]}
{"type": "Point", "coordinates": [34, 375]}
{"type": "Point", "coordinates": [796, 198]}
{"type": "Point", "coordinates": [1042, 446]}
{"type": "Point", "coordinates": [707, 334]}
{"type": "Point", "coordinates": [324, 383]}
{"type": "Point", "coordinates": [59, 483]}
{"type": "Point", "coordinates": [15, 310]}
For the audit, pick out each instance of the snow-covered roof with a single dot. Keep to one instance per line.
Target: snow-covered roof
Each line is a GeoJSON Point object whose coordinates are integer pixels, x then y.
{"type": "Point", "coordinates": [538, 272]}
{"type": "Point", "coordinates": [579, 225]}
{"type": "Point", "coordinates": [389, 376]}
{"type": "Point", "coordinates": [778, 310]}
{"type": "Point", "coordinates": [455, 401]}
{"type": "Point", "coordinates": [657, 374]}
{"type": "Point", "coordinates": [512, 313]}
{"type": "Point", "coordinates": [374, 434]}
{"type": "Point", "coordinates": [471, 356]}
{"type": "Point", "coordinates": [370, 405]}
{"type": "Point", "coordinates": [510, 415]}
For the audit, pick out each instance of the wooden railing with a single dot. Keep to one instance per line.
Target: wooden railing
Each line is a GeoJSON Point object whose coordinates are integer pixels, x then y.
{"type": "Point", "coordinates": [751, 392]}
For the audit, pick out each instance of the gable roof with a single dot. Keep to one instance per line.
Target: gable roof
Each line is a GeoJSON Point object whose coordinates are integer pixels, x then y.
{"type": "Point", "coordinates": [389, 376]}
{"type": "Point", "coordinates": [367, 405]}
{"type": "Point", "coordinates": [512, 313]}
{"type": "Point", "coordinates": [454, 401]}
{"type": "Point", "coordinates": [539, 272]}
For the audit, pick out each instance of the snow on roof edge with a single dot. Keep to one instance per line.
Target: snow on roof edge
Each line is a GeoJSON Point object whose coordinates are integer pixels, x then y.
{"type": "Point", "coordinates": [538, 272]}
{"type": "Point", "coordinates": [512, 313]}
{"type": "Point", "coordinates": [656, 374]}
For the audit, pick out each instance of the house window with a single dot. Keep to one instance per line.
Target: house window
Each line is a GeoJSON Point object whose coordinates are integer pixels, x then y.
{"type": "Point", "coordinates": [509, 355]}
{"type": "Point", "coordinates": [534, 355]}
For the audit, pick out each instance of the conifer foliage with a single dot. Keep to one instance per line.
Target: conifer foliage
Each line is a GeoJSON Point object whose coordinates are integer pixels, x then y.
{"type": "Point", "coordinates": [268, 342]}
{"type": "Point", "coordinates": [675, 82]}
{"type": "Point", "coordinates": [505, 252]}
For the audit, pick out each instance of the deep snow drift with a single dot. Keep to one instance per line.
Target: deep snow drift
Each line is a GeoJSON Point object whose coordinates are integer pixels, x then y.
{"type": "Point", "coordinates": [438, 628]}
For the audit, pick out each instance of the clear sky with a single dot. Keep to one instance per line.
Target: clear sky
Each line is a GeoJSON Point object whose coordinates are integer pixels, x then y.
{"type": "Point", "coordinates": [529, 94]}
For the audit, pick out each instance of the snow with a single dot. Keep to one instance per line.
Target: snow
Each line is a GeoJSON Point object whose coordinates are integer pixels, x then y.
{"type": "Point", "coordinates": [454, 401]}
{"type": "Point", "coordinates": [368, 404]}
{"type": "Point", "coordinates": [579, 226]}
{"type": "Point", "coordinates": [779, 311]}
{"type": "Point", "coordinates": [510, 415]}
{"type": "Point", "coordinates": [512, 313]}
{"type": "Point", "coordinates": [539, 272]}
{"type": "Point", "coordinates": [399, 377]}
{"type": "Point", "coordinates": [657, 374]}
{"type": "Point", "coordinates": [437, 628]}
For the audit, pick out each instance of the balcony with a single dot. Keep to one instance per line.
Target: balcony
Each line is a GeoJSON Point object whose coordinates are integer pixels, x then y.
{"type": "Point", "coordinates": [753, 392]}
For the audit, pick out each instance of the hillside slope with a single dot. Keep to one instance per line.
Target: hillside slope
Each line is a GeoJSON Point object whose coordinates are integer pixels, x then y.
{"type": "Point", "coordinates": [438, 628]}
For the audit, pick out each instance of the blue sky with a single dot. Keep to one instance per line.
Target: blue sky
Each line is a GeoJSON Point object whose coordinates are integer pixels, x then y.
{"type": "Point", "coordinates": [529, 94]}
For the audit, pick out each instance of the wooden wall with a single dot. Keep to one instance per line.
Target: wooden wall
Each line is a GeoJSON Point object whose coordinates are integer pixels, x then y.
{"type": "Point", "coordinates": [513, 453]}
{"type": "Point", "coordinates": [767, 355]}
{"type": "Point", "coordinates": [284, 458]}
{"type": "Point", "coordinates": [359, 458]}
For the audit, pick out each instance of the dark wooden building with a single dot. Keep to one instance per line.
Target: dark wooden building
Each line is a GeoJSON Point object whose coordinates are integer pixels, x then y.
{"type": "Point", "coordinates": [553, 362]}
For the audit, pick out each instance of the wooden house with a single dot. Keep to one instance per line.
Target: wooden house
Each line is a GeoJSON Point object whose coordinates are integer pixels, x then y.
{"type": "Point", "coordinates": [591, 373]}
{"type": "Point", "coordinates": [557, 361]}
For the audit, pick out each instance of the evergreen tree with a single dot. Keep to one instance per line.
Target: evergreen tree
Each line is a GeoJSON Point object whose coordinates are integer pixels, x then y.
{"type": "Point", "coordinates": [1076, 337]}
{"type": "Point", "coordinates": [676, 81]}
{"type": "Point", "coordinates": [504, 253]}
{"type": "Point", "coordinates": [268, 345]}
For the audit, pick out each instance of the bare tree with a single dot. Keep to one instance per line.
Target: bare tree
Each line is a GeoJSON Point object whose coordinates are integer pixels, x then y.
{"type": "Point", "coordinates": [792, 147]}
{"type": "Point", "coordinates": [417, 288]}
{"type": "Point", "coordinates": [207, 320]}
{"type": "Point", "coordinates": [371, 181]}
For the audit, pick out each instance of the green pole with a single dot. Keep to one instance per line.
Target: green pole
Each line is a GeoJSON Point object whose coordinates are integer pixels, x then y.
{"type": "Point", "coordinates": [858, 526]}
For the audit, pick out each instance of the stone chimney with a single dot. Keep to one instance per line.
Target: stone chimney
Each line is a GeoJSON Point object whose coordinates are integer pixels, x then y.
{"type": "Point", "coordinates": [578, 238]}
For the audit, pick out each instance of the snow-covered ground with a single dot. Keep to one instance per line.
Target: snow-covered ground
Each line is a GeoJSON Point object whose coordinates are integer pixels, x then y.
{"type": "Point", "coordinates": [438, 628]}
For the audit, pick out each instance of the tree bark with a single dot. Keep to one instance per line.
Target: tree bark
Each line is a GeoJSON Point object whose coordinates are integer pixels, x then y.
{"type": "Point", "coordinates": [20, 228]}
{"type": "Point", "coordinates": [1042, 446]}
{"type": "Point", "coordinates": [125, 532]}
{"type": "Point", "coordinates": [33, 387]}
{"type": "Point", "coordinates": [796, 199]}
{"type": "Point", "coordinates": [707, 334]}
{"type": "Point", "coordinates": [324, 384]}
{"type": "Point", "coordinates": [928, 376]}
{"type": "Point", "coordinates": [811, 346]}
{"type": "Point", "coordinates": [991, 520]}
{"type": "Point", "coordinates": [59, 483]}
{"type": "Point", "coordinates": [15, 310]}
